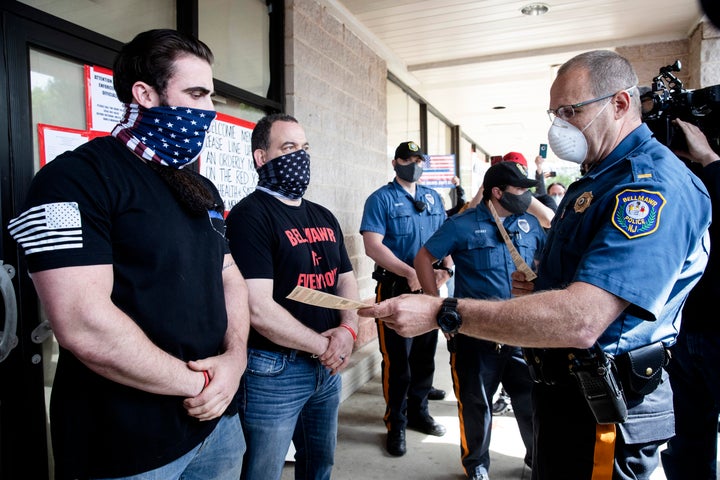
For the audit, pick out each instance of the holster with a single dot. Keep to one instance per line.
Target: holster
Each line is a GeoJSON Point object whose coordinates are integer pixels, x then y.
{"type": "Point", "coordinates": [389, 284]}
{"type": "Point", "coordinates": [596, 375]}
{"type": "Point", "coordinates": [548, 366]}
{"type": "Point", "coordinates": [641, 369]}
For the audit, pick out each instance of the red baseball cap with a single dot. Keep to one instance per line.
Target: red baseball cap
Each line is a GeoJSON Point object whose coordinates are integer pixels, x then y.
{"type": "Point", "coordinates": [515, 157]}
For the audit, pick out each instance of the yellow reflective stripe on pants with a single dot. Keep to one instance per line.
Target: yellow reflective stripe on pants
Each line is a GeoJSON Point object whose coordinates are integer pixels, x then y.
{"type": "Point", "coordinates": [604, 458]}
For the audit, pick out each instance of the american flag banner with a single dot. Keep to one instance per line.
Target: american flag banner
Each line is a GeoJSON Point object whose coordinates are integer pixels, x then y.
{"type": "Point", "coordinates": [52, 226]}
{"type": "Point", "coordinates": [438, 171]}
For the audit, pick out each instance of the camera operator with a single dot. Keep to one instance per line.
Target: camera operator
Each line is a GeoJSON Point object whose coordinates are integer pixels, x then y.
{"type": "Point", "coordinates": [692, 452]}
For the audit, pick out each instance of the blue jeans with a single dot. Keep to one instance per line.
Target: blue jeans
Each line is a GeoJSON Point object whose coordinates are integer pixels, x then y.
{"type": "Point", "coordinates": [286, 397]}
{"type": "Point", "coordinates": [219, 457]}
{"type": "Point", "coordinates": [694, 367]}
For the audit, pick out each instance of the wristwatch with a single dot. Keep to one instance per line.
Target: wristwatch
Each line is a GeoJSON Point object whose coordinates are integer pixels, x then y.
{"type": "Point", "coordinates": [448, 317]}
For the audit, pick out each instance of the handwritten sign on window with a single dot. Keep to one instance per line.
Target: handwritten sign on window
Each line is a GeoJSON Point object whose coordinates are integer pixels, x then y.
{"type": "Point", "coordinates": [227, 158]}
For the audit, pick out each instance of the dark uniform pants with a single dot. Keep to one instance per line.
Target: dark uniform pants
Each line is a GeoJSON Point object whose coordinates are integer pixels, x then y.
{"type": "Point", "coordinates": [692, 452]}
{"type": "Point", "coordinates": [408, 366]}
{"type": "Point", "coordinates": [478, 367]}
{"type": "Point", "coordinates": [570, 445]}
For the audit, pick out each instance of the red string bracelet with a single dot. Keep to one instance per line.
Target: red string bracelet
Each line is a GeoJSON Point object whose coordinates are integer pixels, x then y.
{"type": "Point", "coordinates": [207, 378]}
{"type": "Point", "coordinates": [349, 329]}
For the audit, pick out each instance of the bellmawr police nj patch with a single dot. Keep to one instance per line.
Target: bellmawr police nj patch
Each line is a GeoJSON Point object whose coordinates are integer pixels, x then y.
{"type": "Point", "coordinates": [637, 212]}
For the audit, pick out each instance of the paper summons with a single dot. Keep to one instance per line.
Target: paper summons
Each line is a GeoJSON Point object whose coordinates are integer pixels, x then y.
{"type": "Point", "coordinates": [322, 299]}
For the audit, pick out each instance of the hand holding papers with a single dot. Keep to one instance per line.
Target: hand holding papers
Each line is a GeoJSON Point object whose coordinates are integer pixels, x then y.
{"type": "Point", "coordinates": [322, 299]}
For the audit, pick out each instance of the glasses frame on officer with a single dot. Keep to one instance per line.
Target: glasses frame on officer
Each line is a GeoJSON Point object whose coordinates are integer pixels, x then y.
{"type": "Point", "coordinates": [566, 112]}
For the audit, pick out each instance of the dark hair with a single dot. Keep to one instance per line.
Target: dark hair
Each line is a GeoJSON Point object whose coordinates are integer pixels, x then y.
{"type": "Point", "coordinates": [261, 133]}
{"type": "Point", "coordinates": [150, 58]}
{"type": "Point", "coordinates": [554, 184]}
{"type": "Point", "coordinates": [487, 192]}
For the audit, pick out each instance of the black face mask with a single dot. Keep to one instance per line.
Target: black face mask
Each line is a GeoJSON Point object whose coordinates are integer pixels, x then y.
{"type": "Point", "coordinates": [410, 173]}
{"type": "Point", "coordinates": [516, 204]}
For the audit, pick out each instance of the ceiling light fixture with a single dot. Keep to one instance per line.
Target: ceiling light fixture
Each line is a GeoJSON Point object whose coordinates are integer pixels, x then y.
{"type": "Point", "coordinates": [535, 9]}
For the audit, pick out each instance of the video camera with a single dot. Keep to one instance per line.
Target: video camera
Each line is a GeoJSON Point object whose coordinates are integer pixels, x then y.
{"type": "Point", "coordinates": [667, 100]}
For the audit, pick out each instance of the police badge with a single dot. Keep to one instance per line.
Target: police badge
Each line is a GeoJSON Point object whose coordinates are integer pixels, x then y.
{"type": "Point", "coordinates": [637, 212]}
{"type": "Point", "coordinates": [583, 202]}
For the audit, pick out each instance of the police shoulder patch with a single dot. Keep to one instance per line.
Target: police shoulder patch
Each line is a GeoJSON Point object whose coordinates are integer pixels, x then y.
{"type": "Point", "coordinates": [637, 212]}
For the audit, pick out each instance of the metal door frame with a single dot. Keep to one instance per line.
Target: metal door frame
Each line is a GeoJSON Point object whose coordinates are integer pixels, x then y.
{"type": "Point", "coordinates": [23, 432]}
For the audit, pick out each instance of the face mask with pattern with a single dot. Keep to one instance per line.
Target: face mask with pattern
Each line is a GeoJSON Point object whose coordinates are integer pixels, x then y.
{"type": "Point", "coordinates": [172, 136]}
{"type": "Point", "coordinates": [288, 175]}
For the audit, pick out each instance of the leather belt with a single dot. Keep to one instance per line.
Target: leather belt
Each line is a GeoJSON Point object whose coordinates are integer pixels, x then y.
{"type": "Point", "coordinates": [289, 352]}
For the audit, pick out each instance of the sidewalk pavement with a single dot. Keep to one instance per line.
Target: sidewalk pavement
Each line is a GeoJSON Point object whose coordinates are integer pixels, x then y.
{"type": "Point", "coordinates": [361, 451]}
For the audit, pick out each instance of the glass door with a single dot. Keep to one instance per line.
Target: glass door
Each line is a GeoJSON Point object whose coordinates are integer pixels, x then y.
{"type": "Point", "coordinates": [41, 83]}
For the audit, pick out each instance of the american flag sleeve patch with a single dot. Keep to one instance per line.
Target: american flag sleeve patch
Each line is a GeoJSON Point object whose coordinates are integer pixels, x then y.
{"type": "Point", "coordinates": [52, 226]}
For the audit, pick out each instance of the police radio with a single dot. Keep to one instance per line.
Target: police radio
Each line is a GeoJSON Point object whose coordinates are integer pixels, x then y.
{"type": "Point", "coordinates": [597, 376]}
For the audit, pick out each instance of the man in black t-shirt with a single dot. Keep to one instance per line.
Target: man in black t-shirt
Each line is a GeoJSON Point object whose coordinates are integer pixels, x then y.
{"type": "Point", "coordinates": [127, 253]}
{"type": "Point", "coordinates": [291, 390]}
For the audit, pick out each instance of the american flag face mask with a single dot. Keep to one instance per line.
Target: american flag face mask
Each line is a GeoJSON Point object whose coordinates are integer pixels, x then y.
{"type": "Point", "coordinates": [288, 175]}
{"type": "Point", "coordinates": [172, 136]}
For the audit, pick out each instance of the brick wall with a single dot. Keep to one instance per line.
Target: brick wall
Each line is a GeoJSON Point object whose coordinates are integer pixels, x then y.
{"type": "Point", "coordinates": [708, 38]}
{"type": "Point", "coordinates": [647, 59]}
{"type": "Point", "coordinates": [699, 55]}
{"type": "Point", "coordinates": [336, 88]}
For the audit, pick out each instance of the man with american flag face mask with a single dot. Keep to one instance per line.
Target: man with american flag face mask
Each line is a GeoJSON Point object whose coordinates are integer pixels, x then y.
{"type": "Point", "coordinates": [127, 253]}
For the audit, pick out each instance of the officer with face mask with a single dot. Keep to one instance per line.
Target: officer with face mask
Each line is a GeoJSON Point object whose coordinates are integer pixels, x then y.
{"type": "Point", "coordinates": [398, 218]}
{"type": "Point", "coordinates": [484, 264]}
{"type": "Point", "coordinates": [628, 242]}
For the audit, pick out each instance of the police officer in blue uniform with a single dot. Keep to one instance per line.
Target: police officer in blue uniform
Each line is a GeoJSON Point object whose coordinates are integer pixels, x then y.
{"type": "Point", "coordinates": [628, 242]}
{"type": "Point", "coordinates": [397, 220]}
{"type": "Point", "coordinates": [483, 264]}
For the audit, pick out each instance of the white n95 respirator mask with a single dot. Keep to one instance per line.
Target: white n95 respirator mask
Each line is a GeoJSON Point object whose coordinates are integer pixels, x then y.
{"type": "Point", "coordinates": [567, 141]}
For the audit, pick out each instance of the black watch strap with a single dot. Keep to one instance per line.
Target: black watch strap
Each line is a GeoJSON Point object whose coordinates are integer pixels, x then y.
{"type": "Point", "coordinates": [449, 303]}
{"type": "Point", "coordinates": [449, 319]}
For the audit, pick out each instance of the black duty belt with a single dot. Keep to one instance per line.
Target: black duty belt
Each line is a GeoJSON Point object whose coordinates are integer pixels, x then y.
{"type": "Point", "coordinates": [382, 275]}
{"type": "Point", "coordinates": [392, 282]}
{"type": "Point", "coordinates": [640, 370]}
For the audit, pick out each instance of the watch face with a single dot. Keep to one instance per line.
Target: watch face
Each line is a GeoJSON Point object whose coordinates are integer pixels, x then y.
{"type": "Point", "coordinates": [448, 322]}
{"type": "Point", "coordinates": [449, 319]}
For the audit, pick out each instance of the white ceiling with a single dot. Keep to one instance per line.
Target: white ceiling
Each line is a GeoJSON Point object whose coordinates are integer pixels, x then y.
{"type": "Point", "coordinates": [465, 57]}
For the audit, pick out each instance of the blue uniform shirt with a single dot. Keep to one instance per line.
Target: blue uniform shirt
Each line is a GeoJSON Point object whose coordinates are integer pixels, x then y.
{"type": "Point", "coordinates": [483, 264]}
{"type": "Point", "coordinates": [390, 211]}
{"type": "Point", "coordinates": [635, 226]}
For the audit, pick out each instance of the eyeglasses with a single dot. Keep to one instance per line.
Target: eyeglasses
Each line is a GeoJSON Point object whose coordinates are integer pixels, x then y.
{"type": "Point", "coordinates": [568, 111]}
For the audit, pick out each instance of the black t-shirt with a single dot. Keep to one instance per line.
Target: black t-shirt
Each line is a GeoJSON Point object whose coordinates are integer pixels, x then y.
{"type": "Point", "coordinates": [292, 245]}
{"type": "Point", "coordinates": [704, 295]}
{"type": "Point", "coordinates": [98, 205]}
